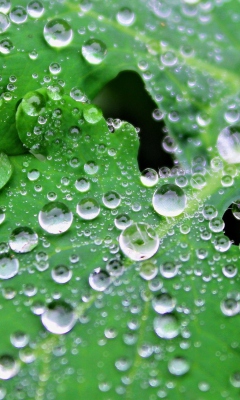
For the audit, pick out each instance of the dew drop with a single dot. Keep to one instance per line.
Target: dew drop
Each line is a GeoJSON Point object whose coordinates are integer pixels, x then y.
{"type": "Point", "coordinates": [228, 144]}
{"type": "Point", "coordinates": [58, 33]}
{"type": "Point", "coordinates": [55, 92]}
{"type": "Point", "coordinates": [149, 177]}
{"type": "Point", "coordinates": [9, 367]}
{"type": "Point", "coordinates": [58, 317]}
{"type": "Point", "coordinates": [230, 307]}
{"type": "Point", "coordinates": [222, 243]}
{"type": "Point", "coordinates": [216, 225]}
{"type": "Point", "coordinates": [92, 114]}
{"type": "Point", "coordinates": [209, 212]}
{"type": "Point", "coordinates": [54, 68]}
{"type": "Point", "coordinates": [236, 209]}
{"type": "Point", "coordinates": [77, 95]}
{"type": "Point", "coordinates": [125, 16]}
{"type": "Point", "coordinates": [139, 241]}
{"type": "Point", "coordinates": [61, 274]}
{"type": "Point", "coordinates": [18, 15]}
{"type": "Point", "coordinates": [115, 267]}
{"type": "Point", "coordinates": [19, 339]}
{"type": "Point", "coordinates": [8, 266]}
{"type": "Point", "coordinates": [2, 217]}
{"type": "Point", "coordinates": [169, 58]}
{"type": "Point", "coordinates": [148, 270]}
{"type": "Point", "coordinates": [33, 175]}
{"type": "Point", "coordinates": [111, 199]}
{"type": "Point", "coordinates": [178, 366]}
{"type": "Point", "coordinates": [163, 303]}
{"type": "Point", "coordinates": [166, 326]}
{"type": "Point", "coordinates": [235, 379]}
{"type": "Point", "coordinates": [5, 6]}
{"type": "Point", "coordinates": [82, 185]}
{"type": "Point", "coordinates": [6, 45]}
{"type": "Point", "coordinates": [33, 103]}
{"type": "Point", "coordinates": [91, 167]}
{"type": "Point", "coordinates": [55, 218]}
{"type": "Point", "coordinates": [35, 9]}
{"type": "Point", "coordinates": [99, 280]}
{"type": "Point", "coordinates": [169, 200]}
{"type": "Point", "coordinates": [94, 51]}
{"type": "Point", "coordinates": [23, 240]}
{"type": "Point", "coordinates": [88, 208]}
{"type": "Point", "coordinates": [4, 22]}
{"type": "Point", "coordinates": [122, 221]}
{"type": "Point", "coordinates": [229, 271]}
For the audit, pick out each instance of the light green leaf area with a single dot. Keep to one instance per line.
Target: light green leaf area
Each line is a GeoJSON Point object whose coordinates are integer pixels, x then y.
{"type": "Point", "coordinates": [102, 325]}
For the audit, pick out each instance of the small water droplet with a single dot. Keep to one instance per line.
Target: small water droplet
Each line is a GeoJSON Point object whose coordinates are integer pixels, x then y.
{"type": "Point", "coordinates": [19, 339]}
{"type": "Point", "coordinates": [228, 144]}
{"type": "Point", "coordinates": [91, 167]}
{"type": "Point", "coordinates": [58, 33]}
{"type": "Point", "coordinates": [55, 218]}
{"type": "Point", "coordinates": [4, 22]}
{"type": "Point", "coordinates": [166, 326]}
{"type": "Point", "coordinates": [125, 16]}
{"type": "Point", "coordinates": [33, 103]}
{"type": "Point", "coordinates": [35, 9]}
{"type": "Point", "coordinates": [18, 15]}
{"type": "Point", "coordinates": [149, 177]}
{"type": "Point", "coordinates": [99, 279]}
{"type": "Point", "coordinates": [9, 367]}
{"type": "Point", "coordinates": [235, 379]}
{"type": "Point", "coordinates": [2, 217]}
{"type": "Point", "coordinates": [82, 185]}
{"type": "Point", "coordinates": [163, 303]}
{"type": "Point", "coordinates": [139, 241]}
{"type": "Point", "coordinates": [55, 68]}
{"type": "Point", "coordinates": [61, 274]}
{"type": "Point", "coordinates": [5, 6]}
{"type": "Point", "coordinates": [169, 200]}
{"type": "Point", "coordinates": [111, 199]}
{"type": "Point", "coordinates": [178, 366]}
{"type": "Point", "coordinates": [6, 45]}
{"type": "Point", "coordinates": [122, 221]}
{"type": "Point", "coordinates": [88, 208]}
{"type": "Point", "coordinates": [230, 307]}
{"type": "Point", "coordinates": [8, 266]}
{"type": "Point", "coordinates": [92, 114]}
{"type": "Point", "coordinates": [229, 270]}
{"type": "Point", "coordinates": [58, 317]}
{"type": "Point", "coordinates": [94, 51]}
{"type": "Point", "coordinates": [148, 270]}
{"type": "Point", "coordinates": [236, 209]}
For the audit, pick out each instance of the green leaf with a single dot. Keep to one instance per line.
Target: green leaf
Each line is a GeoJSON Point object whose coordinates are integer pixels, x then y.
{"type": "Point", "coordinates": [80, 318]}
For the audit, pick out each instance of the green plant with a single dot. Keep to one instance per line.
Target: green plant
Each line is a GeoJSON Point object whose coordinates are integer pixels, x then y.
{"type": "Point", "coordinates": [79, 318]}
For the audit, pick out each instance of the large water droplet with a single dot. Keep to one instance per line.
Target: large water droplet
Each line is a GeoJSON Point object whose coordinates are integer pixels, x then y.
{"type": "Point", "coordinates": [58, 33]}
{"type": "Point", "coordinates": [94, 51]}
{"type": "Point", "coordinates": [166, 326]}
{"type": "Point", "coordinates": [88, 208]}
{"type": "Point", "coordinates": [33, 103]}
{"type": "Point", "coordinates": [92, 114]}
{"type": "Point", "coordinates": [8, 266]}
{"type": "Point", "coordinates": [82, 185]}
{"type": "Point", "coordinates": [149, 177]}
{"type": "Point", "coordinates": [139, 241]}
{"type": "Point", "coordinates": [5, 6]}
{"type": "Point", "coordinates": [9, 367]}
{"type": "Point", "coordinates": [169, 200]}
{"type": "Point", "coordinates": [235, 379]}
{"type": "Point", "coordinates": [178, 366]}
{"type": "Point", "coordinates": [230, 307]}
{"type": "Point", "coordinates": [23, 240]}
{"type": "Point", "coordinates": [4, 22]}
{"type": "Point", "coordinates": [228, 144]}
{"type": "Point", "coordinates": [35, 9]}
{"type": "Point", "coordinates": [19, 339]}
{"type": "Point", "coordinates": [55, 218]}
{"type": "Point", "coordinates": [6, 46]}
{"type": "Point", "coordinates": [125, 16]}
{"type": "Point", "coordinates": [99, 279]}
{"type": "Point", "coordinates": [59, 317]}
{"type": "Point", "coordinates": [18, 15]}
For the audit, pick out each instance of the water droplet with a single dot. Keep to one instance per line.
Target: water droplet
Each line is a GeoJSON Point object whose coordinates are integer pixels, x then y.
{"type": "Point", "coordinates": [9, 367]}
{"type": "Point", "coordinates": [169, 200]}
{"type": "Point", "coordinates": [230, 307]}
{"type": "Point", "coordinates": [6, 45]}
{"type": "Point", "coordinates": [55, 68]}
{"type": "Point", "coordinates": [209, 212]}
{"type": "Point", "coordinates": [58, 33]}
{"type": "Point", "coordinates": [230, 271]}
{"type": "Point", "coordinates": [236, 209]}
{"type": "Point", "coordinates": [148, 270]}
{"type": "Point", "coordinates": [23, 240]}
{"type": "Point", "coordinates": [4, 22]}
{"type": "Point", "coordinates": [169, 58]}
{"type": "Point", "coordinates": [5, 6]}
{"type": "Point", "coordinates": [122, 221]}
{"type": "Point", "coordinates": [35, 9]}
{"type": "Point", "coordinates": [111, 199]}
{"type": "Point", "coordinates": [125, 16]}
{"type": "Point", "coordinates": [88, 208]}
{"type": "Point", "coordinates": [198, 181]}
{"type": "Point", "coordinates": [2, 217]}
{"type": "Point", "coordinates": [222, 243]}
{"type": "Point", "coordinates": [163, 303]}
{"type": "Point", "coordinates": [231, 116]}
{"type": "Point", "coordinates": [166, 326]}
{"type": "Point", "coordinates": [149, 177]}
{"type": "Point", "coordinates": [216, 225]}
{"type": "Point", "coordinates": [19, 339]}
{"type": "Point", "coordinates": [235, 379]}
{"type": "Point", "coordinates": [55, 92]}
{"type": "Point", "coordinates": [58, 317]}
{"type": "Point", "coordinates": [33, 175]}
{"type": "Point", "coordinates": [77, 95]}
{"type": "Point", "coordinates": [82, 185]}
{"type": "Point", "coordinates": [18, 15]}
{"type": "Point", "coordinates": [115, 267]}
{"type": "Point", "coordinates": [33, 103]}
{"type": "Point", "coordinates": [8, 266]}
{"type": "Point", "coordinates": [99, 280]}
{"type": "Point", "coordinates": [123, 364]}
{"type": "Point", "coordinates": [61, 274]}
{"type": "Point", "coordinates": [168, 269]}
{"type": "Point", "coordinates": [178, 366]}
{"type": "Point", "coordinates": [139, 241]}
{"type": "Point", "coordinates": [55, 218]}
{"type": "Point", "coordinates": [91, 167]}
{"type": "Point", "coordinates": [92, 114]}
{"type": "Point", "coordinates": [94, 51]}
{"type": "Point", "coordinates": [227, 180]}
{"type": "Point", "coordinates": [169, 144]}
{"type": "Point", "coordinates": [228, 144]}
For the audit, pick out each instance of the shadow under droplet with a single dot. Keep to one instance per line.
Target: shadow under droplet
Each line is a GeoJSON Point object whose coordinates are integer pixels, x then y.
{"type": "Point", "coordinates": [126, 98]}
